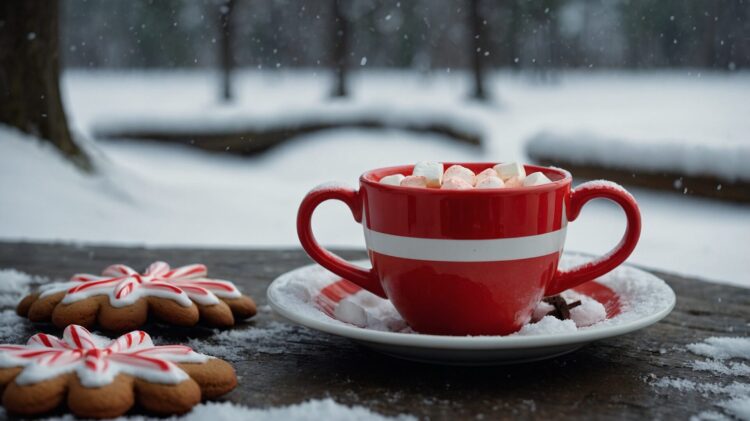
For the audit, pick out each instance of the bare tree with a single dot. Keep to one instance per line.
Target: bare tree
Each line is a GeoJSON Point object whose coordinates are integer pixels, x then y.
{"type": "Point", "coordinates": [226, 57]}
{"type": "Point", "coordinates": [478, 46]}
{"type": "Point", "coordinates": [514, 34]}
{"type": "Point", "coordinates": [340, 48]}
{"type": "Point", "coordinates": [30, 97]}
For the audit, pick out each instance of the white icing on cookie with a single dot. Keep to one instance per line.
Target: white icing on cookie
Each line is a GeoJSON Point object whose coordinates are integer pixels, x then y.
{"type": "Point", "coordinates": [124, 286]}
{"type": "Point", "coordinates": [97, 360]}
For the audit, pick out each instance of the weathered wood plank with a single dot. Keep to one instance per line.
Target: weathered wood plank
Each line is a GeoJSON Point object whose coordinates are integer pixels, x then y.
{"type": "Point", "coordinates": [287, 365]}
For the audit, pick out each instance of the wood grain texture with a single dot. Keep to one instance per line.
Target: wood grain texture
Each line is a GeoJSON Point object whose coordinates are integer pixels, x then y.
{"type": "Point", "coordinates": [608, 379]}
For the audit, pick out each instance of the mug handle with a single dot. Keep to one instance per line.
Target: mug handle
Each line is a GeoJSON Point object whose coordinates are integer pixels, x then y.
{"type": "Point", "coordinates": [566, 279]}
{"type": "Point", "coordinates": [365, 278]}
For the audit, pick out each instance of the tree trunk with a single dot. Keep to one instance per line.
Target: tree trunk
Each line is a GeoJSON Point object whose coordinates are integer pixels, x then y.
{"type": "Point", "coordinates": [710, 38]}
{"type": "Point", "coordinates": [514, 35]}
{"type": "Point", "coordinates": [30, 97]}
{"type": "Point", "coordinates": [476, 23]}
{"type": "Point", "coordinates": [340, 48]}
{"type": "Point", "coordinates": [226, 37]}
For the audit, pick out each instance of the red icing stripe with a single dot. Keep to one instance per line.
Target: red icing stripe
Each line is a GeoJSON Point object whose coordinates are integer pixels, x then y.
{"type": "Point", "coordinates": [12, 347]}
{"type": "Point", "coordinates": [143, 361]}
{"type": "Point", "coordinates": [91, 365]}
{"type": "Point", "coordinates": [92, 284]}
{"type": "Point", "coordinates": [44, 339]}
{"type": "Point", "coordinates": [210, 284]}
{"type": "Point", "coordinates": [81, 337]}
{"type": "Point", "coordinates": [37, 353]}
{"type": "Point", "coordinates": [84, 278]}
{"type": "Point", "coordinates": [162, 285]}
{"type": "Point", "coordinates": [76, 338]}
{"type": "Point", "coordinates": [182, 272]}
{"type": "Point", "coordinates": [164, 349]}
{"type": "Point", "coordinates": [196, 269]}
{"type": "Point", "coordinates": [124, 290]}
{"type": "Point", "coordinates": [196, 290]}
{"type": "Point", "coordinates": [157, 267]}
{"type": "Point", "coordinates": [55, 357]}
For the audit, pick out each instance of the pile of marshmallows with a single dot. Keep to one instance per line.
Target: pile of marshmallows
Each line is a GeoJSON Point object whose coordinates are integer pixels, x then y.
{"type": "Point", "coordinates": [456, 177]}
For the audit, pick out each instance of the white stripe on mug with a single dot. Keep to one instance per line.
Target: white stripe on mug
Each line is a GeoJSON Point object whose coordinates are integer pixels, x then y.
{"type": "Point", "coordinates": [443, 250]}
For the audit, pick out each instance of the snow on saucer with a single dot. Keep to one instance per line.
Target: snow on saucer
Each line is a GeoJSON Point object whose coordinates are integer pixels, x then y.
{"type": "Point", "coordinates": [319, 294]}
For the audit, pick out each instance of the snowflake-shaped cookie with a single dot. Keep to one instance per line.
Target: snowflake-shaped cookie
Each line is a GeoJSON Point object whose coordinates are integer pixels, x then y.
{"type": "Point", "coordinates": [121, 298]}
{"type": "Point", "coordinates": [104, 378]}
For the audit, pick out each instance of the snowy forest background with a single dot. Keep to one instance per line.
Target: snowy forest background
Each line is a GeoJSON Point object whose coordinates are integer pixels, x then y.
{"type": "Point", "coordinates": [422, 35]}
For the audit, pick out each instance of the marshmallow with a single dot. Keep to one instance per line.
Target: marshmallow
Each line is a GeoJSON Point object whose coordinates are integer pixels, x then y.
{"type": "Point", "coordinates": [536, 179]}
{"type": "Point", "coordinates": [393, 180]}
{"type": "Point", "coordinates": [489, 172]}
{"type": "Point", "coordinates": [455, 184]}
{"type": "Point", "coordinates": [431, 171]}
{"type": "Point", "coordinates": [350, 312]}
{"type": "Point", "coordinates": [511, 169]}
{"type": "Point", "coordinates": [491, 183]}
{"type": "Point", "coordinates": [463, 173]}
{"type": "Point", "coordinates": [414, 181]}
{"type": "Point", "coordinates": [514, 182]}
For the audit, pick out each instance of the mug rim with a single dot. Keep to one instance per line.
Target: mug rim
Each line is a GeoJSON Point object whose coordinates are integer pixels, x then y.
{"type": "Point", "coordinates": [368, 178]}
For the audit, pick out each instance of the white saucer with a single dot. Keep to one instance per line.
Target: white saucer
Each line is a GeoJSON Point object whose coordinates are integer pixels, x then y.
{"type": "Point", "coordinates": [635, 300]}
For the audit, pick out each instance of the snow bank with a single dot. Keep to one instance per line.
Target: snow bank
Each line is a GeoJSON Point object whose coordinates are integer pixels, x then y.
{"type": "Point", "coordinates": [724, 161]}
{"type": "Point", "coordinates": [39, 188]}
{"type": "Point", "coordinates": [238, 120]}
{"type": "Point", "coordinates": [172, 195]}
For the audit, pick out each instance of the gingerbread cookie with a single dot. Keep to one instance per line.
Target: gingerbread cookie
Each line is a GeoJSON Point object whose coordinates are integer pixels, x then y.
{"type": "Point", "coordinates": [102, 378]}
{"type": "Point", "coordinates": [122, 299]}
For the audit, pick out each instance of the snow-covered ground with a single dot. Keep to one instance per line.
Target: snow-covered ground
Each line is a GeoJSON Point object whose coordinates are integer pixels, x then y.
{"type": "Point", "coordinates": [727, 162]}
{"type": "Point", "coordinates": [159, 194]}
{"type": "Point", "coordinates": [686, 106]}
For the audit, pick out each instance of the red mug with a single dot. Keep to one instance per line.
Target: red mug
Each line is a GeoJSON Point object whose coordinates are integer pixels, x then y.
{"type": "Point", "coordinates": [467, 262]}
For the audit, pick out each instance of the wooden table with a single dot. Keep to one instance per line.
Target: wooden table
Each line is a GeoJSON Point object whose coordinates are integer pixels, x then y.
{"type": "Point", "coordinates": [287, 364]}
